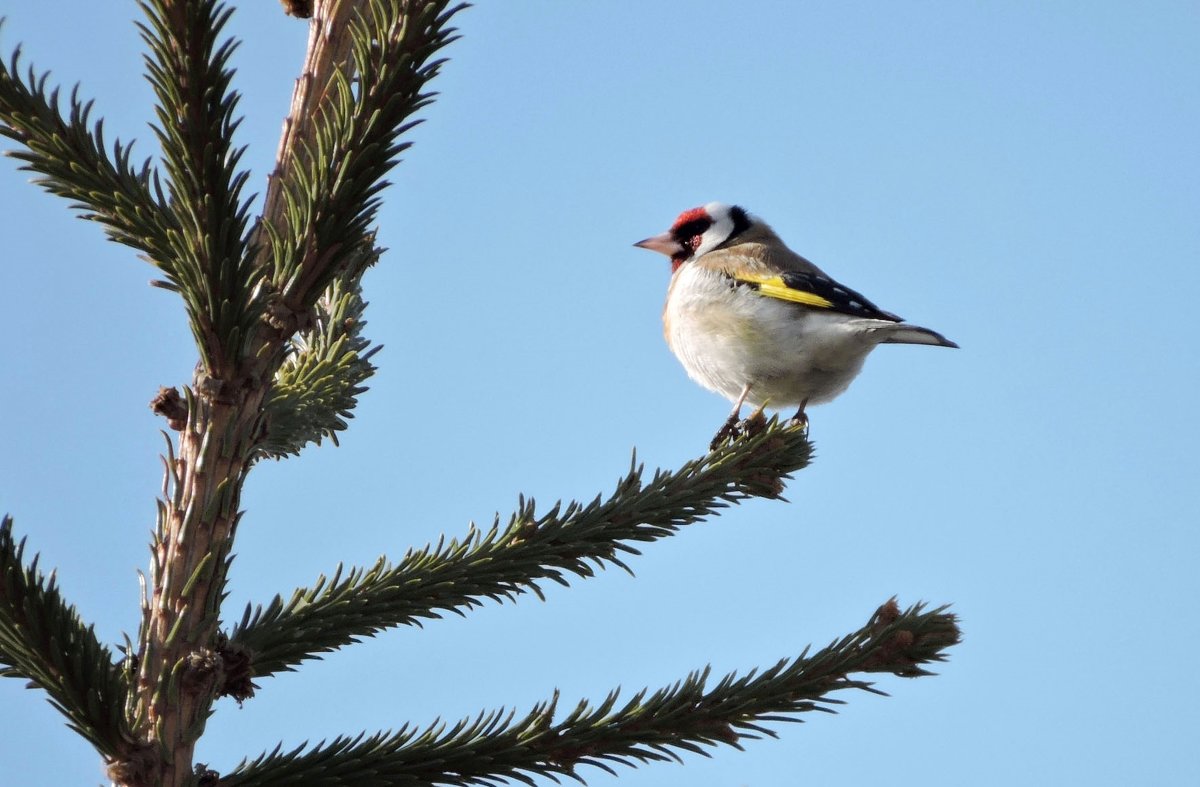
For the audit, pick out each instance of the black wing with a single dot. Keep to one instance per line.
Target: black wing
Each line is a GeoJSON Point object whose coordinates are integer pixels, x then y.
{"type": "Point", "coordinates": [818, 291]}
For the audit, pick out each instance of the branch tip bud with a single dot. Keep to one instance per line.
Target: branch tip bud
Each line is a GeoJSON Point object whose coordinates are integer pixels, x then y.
{"type": "Point", "coordinates": [169, 404]}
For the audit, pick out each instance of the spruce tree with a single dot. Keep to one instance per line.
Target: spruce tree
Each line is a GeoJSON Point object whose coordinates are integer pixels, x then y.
{"type": "Point", "coordinates": [275, 304]}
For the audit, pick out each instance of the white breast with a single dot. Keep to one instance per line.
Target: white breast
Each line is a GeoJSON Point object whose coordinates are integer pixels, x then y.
{"type": "Point", "coordinates": [728, 335]}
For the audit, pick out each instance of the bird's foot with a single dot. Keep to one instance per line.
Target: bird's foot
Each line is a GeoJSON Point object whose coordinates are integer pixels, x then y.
{"type": "Point", "coordinates": [729, 431]}
{"type": "Point", "coordinates": [754, 425]}
{"type": "Point", "coordinates": [800, 419]}
{"type": "Point", "coordinates": [733, 429]}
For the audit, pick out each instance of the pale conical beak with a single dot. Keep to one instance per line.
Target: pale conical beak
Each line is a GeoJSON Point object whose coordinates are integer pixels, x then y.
{"type": "Point", "coordinates": [663, 244]}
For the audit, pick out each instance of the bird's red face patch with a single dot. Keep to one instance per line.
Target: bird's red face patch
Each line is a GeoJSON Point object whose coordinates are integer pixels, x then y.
{"type": "Point", "coordinates": [688, 216]}
{"type": "Point", "coordinates": [688, 230]}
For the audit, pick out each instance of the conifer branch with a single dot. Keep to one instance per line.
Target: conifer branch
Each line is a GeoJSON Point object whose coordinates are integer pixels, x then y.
{"type": "Point", "coordinates": [503, 563]}
{"type": "Point", "coordinates": [318, 385]}
{"type": "Point", "coordinates": [330, 183]}
{"type": "Point", "coordinates": [327, 51]}
{"type": "Point", "coordinates": [188, 66]}
{"type": "Point", "coordinates": [69, 156]}
{"type": "Point", "coordinates": [43, 640]}
{"type": "Point", "coordinates": [686, 717]}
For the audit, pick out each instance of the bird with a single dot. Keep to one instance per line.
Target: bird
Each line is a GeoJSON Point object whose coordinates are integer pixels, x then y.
{"type": "Point", "coordinates": [761, 325]}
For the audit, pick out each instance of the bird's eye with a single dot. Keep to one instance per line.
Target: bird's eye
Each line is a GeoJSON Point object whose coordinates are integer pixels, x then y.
{"type": "Point", "coordinates": [689, 233]}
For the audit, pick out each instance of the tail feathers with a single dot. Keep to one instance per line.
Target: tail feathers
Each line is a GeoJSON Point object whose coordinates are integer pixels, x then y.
{"type": "Point", "coordinates": [903, 333]}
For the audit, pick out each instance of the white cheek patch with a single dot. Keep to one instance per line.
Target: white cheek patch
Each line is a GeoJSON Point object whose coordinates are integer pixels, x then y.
{"type": "Point", "coordinates": [719, 232]}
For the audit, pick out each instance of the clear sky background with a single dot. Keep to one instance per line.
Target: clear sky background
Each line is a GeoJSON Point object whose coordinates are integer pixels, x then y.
{"type": "Point", "coordinates": [1024, 178]}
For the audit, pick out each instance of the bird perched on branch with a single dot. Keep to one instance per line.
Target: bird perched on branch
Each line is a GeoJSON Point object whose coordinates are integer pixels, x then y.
{"type": "Point", "coordinates": [757, 323]}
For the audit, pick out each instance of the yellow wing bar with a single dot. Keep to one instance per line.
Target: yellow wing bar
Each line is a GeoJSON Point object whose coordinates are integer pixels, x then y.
{"type": "Point", "coordinates": [774, 287]}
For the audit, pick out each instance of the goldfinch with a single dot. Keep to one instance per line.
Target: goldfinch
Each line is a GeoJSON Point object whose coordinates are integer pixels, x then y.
{"type": "Point", "coordinates": [757, 323]}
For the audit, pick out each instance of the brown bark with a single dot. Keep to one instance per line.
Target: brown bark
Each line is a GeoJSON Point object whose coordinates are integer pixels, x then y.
{"type": "Point", "coordinates": [180, 669]}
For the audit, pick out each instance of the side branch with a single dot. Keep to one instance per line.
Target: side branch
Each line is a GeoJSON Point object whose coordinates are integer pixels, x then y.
{"type": "Point", "coordinates": [504, 563]}
{"type": "Point", "coordinates": [323, 199]}
{"type": "Point", "coordinates": [188, 66]}
{"type": "Point", "coordinates": [69, 155]}
{"type": "Point", "coordinates": [318, 386]}
{"type": "Point", "coordinates": [646, 728]}
{"type": "Point", "coordinates": [327, 52]}
{"type": "Point", "coordinates": [43, 641]}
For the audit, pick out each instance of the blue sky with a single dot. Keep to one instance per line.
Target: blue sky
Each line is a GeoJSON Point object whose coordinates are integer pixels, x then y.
{"type": "Point", "coordinates": [1023, 178]}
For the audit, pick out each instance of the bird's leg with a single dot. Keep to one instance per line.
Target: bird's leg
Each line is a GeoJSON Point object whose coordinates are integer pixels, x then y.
{"type": "Point", "coordinates": [730, 429]}
{"type": "Point", "coordinates": [801, 418]}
